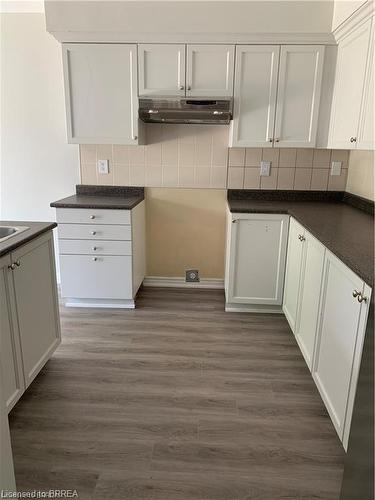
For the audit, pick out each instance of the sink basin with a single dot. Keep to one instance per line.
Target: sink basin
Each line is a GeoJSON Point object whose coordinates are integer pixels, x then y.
{"type": "Point", "coordinates": [10, 231]}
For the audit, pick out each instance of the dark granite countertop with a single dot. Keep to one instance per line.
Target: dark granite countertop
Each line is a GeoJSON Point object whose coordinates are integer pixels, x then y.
{"type": "Point", "coordinates": [110, 197]}
{"type": "Point", "coordinates": [35, 229]}
{"type": "Point", "coordinates": [346, 231]}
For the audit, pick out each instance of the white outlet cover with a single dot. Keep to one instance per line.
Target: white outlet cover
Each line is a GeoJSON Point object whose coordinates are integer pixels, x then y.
{"type": "Point", "coordinates": [336, 168]}
{"type": "Point", "coordinates": [265, 168]}
{"type": "Point", "coordinates": [103, 166]}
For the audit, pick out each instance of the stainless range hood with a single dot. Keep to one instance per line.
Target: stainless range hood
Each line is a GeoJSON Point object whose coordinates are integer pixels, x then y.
{"type": "Point", "coordinates": [185, 110]}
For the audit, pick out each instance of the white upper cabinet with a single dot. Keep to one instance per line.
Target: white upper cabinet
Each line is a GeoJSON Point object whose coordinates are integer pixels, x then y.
{"type": "Point", "coordinates": [366, 132]}
{"type": "Point", "coordinates": [298, 98]}
{"type": "Point", "coordinates": [349, 89]}
{"type": "Point", "coordinates": [161, 69]}
{"type": "Point", "coordinates": [277, 95]}
{"type": "Point", "coordinates": [256, 258]}
{"type": "Point", "coordinates": [255, 95]}
{"type": "Point", "coordinates": [101, 93]}
{"type": "Point", "coordinates": [210, 70]}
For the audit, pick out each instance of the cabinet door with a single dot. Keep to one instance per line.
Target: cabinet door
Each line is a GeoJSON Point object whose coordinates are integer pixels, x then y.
{"type": "Point", "coordinates": [37, 305]}
{"type": "Point", "coordinates": [298, 95]}
{"type": "Point", "coordinates": [101, 93]}
{"type": "Point", "coordinates": [293, 272]}
{"type": "Point", "coordinates": [255, 95]}
{"type": "Point", "coordinates": [210, 70]}
{"type": "Point", "coordinates": [10, 351]}
{"type": "Point", "coordinates": [366, 132]}
{"type": "Point", "coordinates": [257, 258]}
{"type": "Point", "coordinates": [161, 69]}
{"type": "Point", "coordinates": [337, 338]}
{"type": "Point", "coordinates": [309, 294]}
{"type": "Point", "coordinates": [349, 85]}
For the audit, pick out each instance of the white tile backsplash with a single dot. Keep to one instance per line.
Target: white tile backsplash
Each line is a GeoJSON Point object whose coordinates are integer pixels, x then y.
{"type": "Point", "coordinates": [198, 156]}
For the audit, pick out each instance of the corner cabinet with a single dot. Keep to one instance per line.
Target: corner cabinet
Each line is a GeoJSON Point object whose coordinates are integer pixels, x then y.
{"type": "Point", "coordinates": [101, 93]}
{"type": "Point", "coordinates": [186, 70]}
{"type": "Point", "coordinates": [352, 113]}
{"type": "Point", "coordinates": [30, 323]}
{"type": "Point", "coordinates": [277, 95]}
{"type": "Point", "coordinates": [255, 261]}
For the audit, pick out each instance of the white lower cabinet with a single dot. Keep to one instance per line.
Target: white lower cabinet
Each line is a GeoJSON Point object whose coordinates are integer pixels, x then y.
{"type": "Point", "coordinates": [309, 295]}
{"type": "Point", "coordinates": [30, 324]}
{"type": "Point", "coordinates": [255, 261]}
{"type": "Point", "coordinates": [343, 315]}
{"type": "Point", "coordinates": [326, 306]}
{"type": "Point", "coordinates": [293, 272]}
{"type": "Point", "coordinates": [102, 255]}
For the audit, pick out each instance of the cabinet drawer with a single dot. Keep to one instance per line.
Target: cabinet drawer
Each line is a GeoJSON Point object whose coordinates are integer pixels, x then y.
{"type": "Point", "coordinates": [91, 232]}
{"type": "Point", "coordinates": [102, 247]}
{"type": "Point", "coordinates": [92, 216]}
{"type": "Point", "coordinates": [102, 277]}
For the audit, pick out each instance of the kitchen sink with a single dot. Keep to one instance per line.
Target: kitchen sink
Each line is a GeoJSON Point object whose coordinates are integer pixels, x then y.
{"type": "Point", "coordinates": [10, 231]}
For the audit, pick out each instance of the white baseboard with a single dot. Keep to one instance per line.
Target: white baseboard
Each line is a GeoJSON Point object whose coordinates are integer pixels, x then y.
{"type": "Point", "coordinates": [162, 281]}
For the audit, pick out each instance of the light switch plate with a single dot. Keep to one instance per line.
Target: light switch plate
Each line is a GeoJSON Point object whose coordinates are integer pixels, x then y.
{"type": "Point", "coordinates": [265, 168]}
{"type": "Point", "coordinates": [103, 166]}
{"type": "Point", "coordinates": [336, 168]}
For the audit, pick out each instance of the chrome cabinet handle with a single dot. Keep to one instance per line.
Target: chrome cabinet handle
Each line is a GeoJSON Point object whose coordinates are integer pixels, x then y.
{"type": "Point", "coordinates": [135, 137]}
{"type": "Point", "coordinates": [181, 87]}
{"type": "Point", "coordinates": [12, 266]}
{"type": "Point", "coordinates": [361, 298]}
{"type": "Point", "coordinates": [94, 248]}
{"type": "Point", "coordinates": [95, 259]}
{"type": "Point", "coordinates": [270, 139]}
{"type": "Point", "coordinates": [189, 87]}
{"type": "Point", "coordinates": [93, 233]}
{"type": "Point", "coordinates": [234, 221]}
{"type": "Point", "coordinates": [153, 111]}
{"type": "Point", "coordinates": [301, 237]}
{"type": "Point", "coordinates": [18, 263]}
{"type": "Point", "coordinates": [353, 139]}
{"type": "Point", "coordinates": [356, 293]}
{"type": "Point", "coordinates": [218, 112]}
{"type": "Point", "coordinates": [277, 140]}
{"type": "Point", "coordinates": [92, 216]}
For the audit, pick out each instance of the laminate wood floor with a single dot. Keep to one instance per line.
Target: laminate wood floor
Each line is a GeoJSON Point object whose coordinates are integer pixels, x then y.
{"type": "Point", "coordinates": [176, 400]}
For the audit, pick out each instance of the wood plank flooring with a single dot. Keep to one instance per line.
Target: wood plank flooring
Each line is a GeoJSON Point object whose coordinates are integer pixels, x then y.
{"type": "Point", "coordinates": [176, 400]}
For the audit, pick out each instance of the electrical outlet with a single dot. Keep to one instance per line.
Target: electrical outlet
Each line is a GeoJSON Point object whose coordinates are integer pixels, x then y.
{"type": "Point", "coordinates": [103, 166]}
{"type": "Point", "coordinates": [336, 168]}
{"type": "Point", "coordinates": [265, 168]}
{"type": "Point", "coordinates": [191, 275]}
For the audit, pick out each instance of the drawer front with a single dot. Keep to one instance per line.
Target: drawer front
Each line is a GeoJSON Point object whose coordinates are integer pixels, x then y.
{"type": "Point", "coordinates": [102, 277]}
{"type": "Point", "coordinates": [92, 216]}
{"type": "Point", "coordinates": [101, 247]}
{"type": "Point", "coordinates": [97, 232]}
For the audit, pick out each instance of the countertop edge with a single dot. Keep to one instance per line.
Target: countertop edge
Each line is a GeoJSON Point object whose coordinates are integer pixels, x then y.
{"type": "Point", "coordinates": [24, 238]}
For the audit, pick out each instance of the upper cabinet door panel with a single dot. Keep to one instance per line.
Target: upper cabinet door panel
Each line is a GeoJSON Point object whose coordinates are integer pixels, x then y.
{"type": "Point", "coordinates": [255, 95]}
{"type": "Point", "coordinates": [210, 70]}
{"type": "Point", "coordinates": [349, 85]}
{"type": "Point", "coordinates": [366, 132]}
{"type": "Point", "coordinates": [101, 93]}
{"type": "Point", "coordinates": [161, 69]}
{"type": "Point", "coordinates": [300, 78]}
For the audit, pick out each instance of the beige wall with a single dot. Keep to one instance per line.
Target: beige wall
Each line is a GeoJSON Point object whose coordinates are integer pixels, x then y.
{"type": "Point", "coordinates": [185, 230]}
{"type": "Point", "coordinates": [361, 176]}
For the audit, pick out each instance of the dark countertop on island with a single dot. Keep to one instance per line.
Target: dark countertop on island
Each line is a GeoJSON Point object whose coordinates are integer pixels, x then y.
{"type": "Point", "coordinates": [101, 197]}
{"type": "Point", "coordinates": [35, 229]}
{"type": "Point", "coordinates": [345, 230]}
